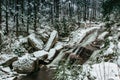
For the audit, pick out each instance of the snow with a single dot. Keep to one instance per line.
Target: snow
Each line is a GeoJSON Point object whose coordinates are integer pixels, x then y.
{"type": "Point", "coordinates": [102, 35]}
{"type": "Point", "coordinates": [110, 50]}
{"type": "Point", "coordinates": [105, 71]}
{"type": "Point", "coordinates": [7, 59]}
{"type": "Point", "coordinates": [56, 60]}
{"type": "Point", "coordinates": [51, 53]}
{"type": "Point", "coordinates": [58, 45]}
{"type": "Point", "coordinates": [118, 45]}
{"type": "Point", "coordinates": [78, 35]}
{"type": "Point", "coordinates": [90, 38]}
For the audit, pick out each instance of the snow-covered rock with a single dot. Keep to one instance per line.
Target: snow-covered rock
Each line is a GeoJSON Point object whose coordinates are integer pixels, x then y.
{"type": "Point", "coordinates": [35, 42]}
{"type": "Point", "coordinates": [25, 65]}
{"type": "Point", "coordinates": [7, 59]}
{"type": "Point", "coordinates": [100, 71]}
{"type": "Point", "coordinates": [52, 40]}
{"type": "Point", "coordinates": [105, 71]}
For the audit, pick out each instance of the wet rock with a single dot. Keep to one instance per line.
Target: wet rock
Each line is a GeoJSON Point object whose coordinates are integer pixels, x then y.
{"type": "Point", "coordinates": [25, 65]}
{"type": "Point", "coordinates": [7, 59]}
{"type": "Point", "coordinates": [35, 42]}
{"type": "Point", "coordinates": [52, 40]}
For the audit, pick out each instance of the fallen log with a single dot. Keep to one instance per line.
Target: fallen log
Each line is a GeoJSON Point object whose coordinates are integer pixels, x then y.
{"type": "Point", "coordinates": [56, 61]}
{"type": "Point", "coordinates": [52, 40]}
{"type": "Point", "coordinates": [41, 55]}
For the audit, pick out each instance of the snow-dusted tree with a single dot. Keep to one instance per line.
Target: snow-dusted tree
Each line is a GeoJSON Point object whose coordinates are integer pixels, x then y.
{"type": "Point", "coordinates": [0, 14]}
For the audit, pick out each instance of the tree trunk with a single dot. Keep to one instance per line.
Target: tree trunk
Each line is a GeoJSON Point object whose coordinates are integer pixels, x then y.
{"type": "Point", "coordinates": [35, 15]}
{"type": "Point", "coordinates": [17, 21]}
{"type": "Point", "coordinates": [6, 16]}
{"type": "Point", "coordinates": [28, 16]}
{"type": "Point", "coordinates": [0, 14]}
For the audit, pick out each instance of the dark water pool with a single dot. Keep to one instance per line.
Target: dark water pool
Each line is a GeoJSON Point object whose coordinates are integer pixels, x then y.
{"type": "Point", "coordinates": [45, 74]}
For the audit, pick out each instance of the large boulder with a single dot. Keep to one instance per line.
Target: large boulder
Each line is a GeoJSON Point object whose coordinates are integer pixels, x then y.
{"type": "Point", "coordinates": [35, 42]}
{"type": "Point", "coordinates": [25, 65]}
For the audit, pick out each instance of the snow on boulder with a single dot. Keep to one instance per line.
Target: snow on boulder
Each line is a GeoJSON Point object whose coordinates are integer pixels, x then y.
{"type": "Point", "coordinates": [52, 40]}
{"type": "Point", "coordinates": [25, 65]}
{"type": "Point", "coordinates": [7, 59]}
{"type": "Point", "coordinates": [105, 71]}
{"type": "Point", "coordinates": [35, 42]}
{"type": "Point", "coordinates": [40, 54]}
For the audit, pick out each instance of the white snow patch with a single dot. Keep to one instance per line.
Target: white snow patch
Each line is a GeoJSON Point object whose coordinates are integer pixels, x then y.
{"type": "Point", "coordinates": [101, 36]}
{"type": "Point", "coordinates": [51, 53]}
{"type": "Point", "coordinates": [110, 50]}
{"type": "Point", "coordinates": [105, 71]}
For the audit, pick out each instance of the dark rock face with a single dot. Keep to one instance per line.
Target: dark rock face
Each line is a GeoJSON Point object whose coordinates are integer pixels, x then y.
{"type": "Point", "coordinates": [43, 74]}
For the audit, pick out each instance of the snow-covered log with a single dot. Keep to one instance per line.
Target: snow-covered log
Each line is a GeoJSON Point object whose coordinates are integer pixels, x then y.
{"type": "Point", "coordinates": [35, 42]}
{"type": "Point", "coordinates": [81, 35]}
{"type": "Point", "coordinates": [51, 54]}
{"type": "Point", "coordinates": [57, 59]}
{"type": "Point", "coordinates": [7, 59]}
{"type": "Point", "coordinates": [25, 65]}
{"type": "Point", "coordinates": [41, 55]}
{"type": "Point", "coordinates": [55, 51]}
{"type": "Point", "coordinates": [52, 40]}
{"type": "Point", "coordinates": [58, 46]}
{"type": "Point", "coordinates": [103, 35]}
